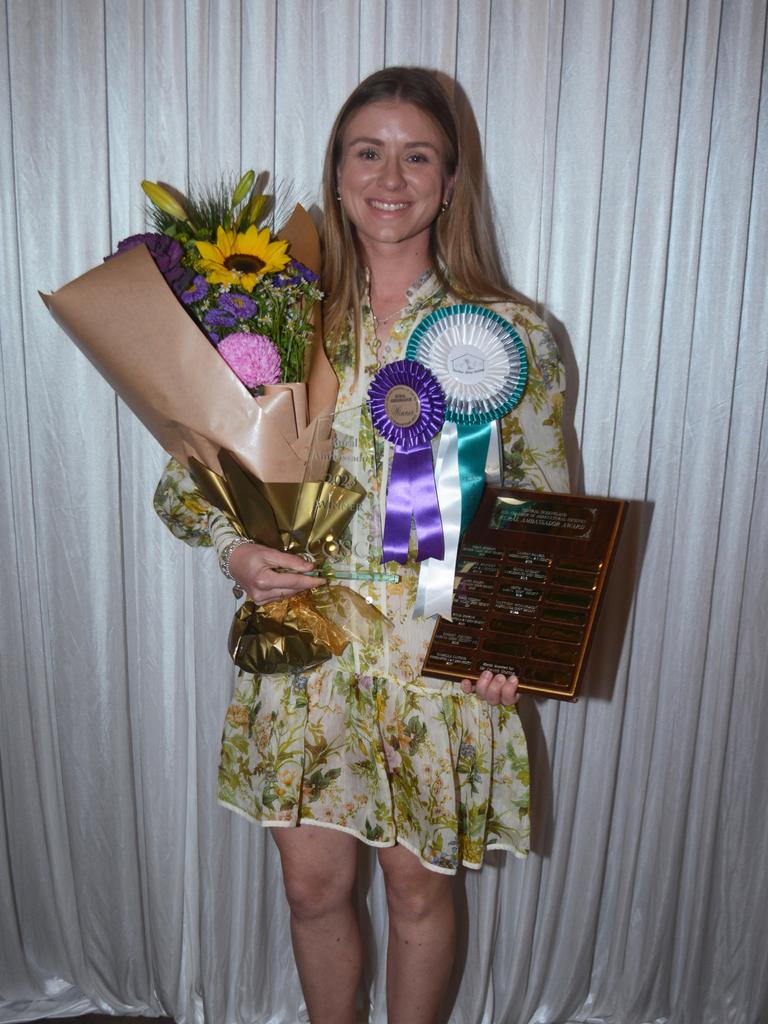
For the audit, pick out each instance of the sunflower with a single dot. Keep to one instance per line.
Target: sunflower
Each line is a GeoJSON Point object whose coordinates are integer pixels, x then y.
{"type": "Point", "coordinates": [241, 258]}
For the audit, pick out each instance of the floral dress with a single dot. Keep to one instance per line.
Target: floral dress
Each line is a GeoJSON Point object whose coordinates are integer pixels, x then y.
{"type": "Point", "coordinates": [363, 743]}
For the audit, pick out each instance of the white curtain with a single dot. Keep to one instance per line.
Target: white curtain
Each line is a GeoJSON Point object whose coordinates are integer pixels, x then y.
{"type": "Point", "coordinates": [627, 151]}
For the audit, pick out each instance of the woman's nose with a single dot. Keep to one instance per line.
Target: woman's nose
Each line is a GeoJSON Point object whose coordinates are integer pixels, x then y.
{"type": "Point", "coordinates": [391, 174]}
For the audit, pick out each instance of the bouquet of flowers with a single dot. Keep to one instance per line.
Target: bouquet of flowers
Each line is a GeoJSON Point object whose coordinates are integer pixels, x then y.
{"type": "Point", "coordinates": [252, 300]}
{"type": "Point", "coordinates": [207, 329]}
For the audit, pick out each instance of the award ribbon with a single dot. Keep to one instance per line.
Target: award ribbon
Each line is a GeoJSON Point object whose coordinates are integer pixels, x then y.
{"type": "Point", "coordinates": [480, 362]}
{"type": "Point", "coordinates": [408, 409]}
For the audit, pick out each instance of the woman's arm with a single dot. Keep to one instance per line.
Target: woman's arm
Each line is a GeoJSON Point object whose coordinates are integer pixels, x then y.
{"type": "Point", "coordinates": [182, 507]}
{"type": "Point", "coordinates": [534, 452]}
{"type": "Point", "coordinates": [194, 520]}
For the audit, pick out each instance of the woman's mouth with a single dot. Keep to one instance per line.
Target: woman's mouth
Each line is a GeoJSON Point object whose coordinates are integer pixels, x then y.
{"type": "Point", "coordinates": [387, 207]}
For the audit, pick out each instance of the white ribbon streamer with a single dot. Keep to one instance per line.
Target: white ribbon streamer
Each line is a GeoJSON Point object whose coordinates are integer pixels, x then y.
{"type": "Point", "coordinates": [436, 575]}
{"type": "Point", "coordinates": [494, 463]}
{"type": "Point", "coordinates": [434, 595]}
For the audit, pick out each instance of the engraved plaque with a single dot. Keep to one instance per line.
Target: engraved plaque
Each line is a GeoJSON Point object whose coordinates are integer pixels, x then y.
{"type": "Point", "coordinates": [530, 575]}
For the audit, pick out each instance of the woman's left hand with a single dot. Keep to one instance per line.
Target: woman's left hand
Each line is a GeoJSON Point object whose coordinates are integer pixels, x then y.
{"type": "Point", "coordinates": [495, 689]}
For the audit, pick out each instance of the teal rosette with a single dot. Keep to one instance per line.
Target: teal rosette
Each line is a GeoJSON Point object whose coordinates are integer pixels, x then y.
{"type": "Point", "coordinates": [479, 360]}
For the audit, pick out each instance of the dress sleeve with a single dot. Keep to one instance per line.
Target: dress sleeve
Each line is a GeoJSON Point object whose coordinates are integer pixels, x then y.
{"type": "Point", "coordinates": [534, 452]}
{"type": "Point", "coordinates": [187, 514]}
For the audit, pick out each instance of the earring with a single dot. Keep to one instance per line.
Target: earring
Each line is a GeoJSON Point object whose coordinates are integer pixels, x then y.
{"type": "Point", "coordinates": [338, 196]}
{"type": "Point", "coordinates": [445, 204]}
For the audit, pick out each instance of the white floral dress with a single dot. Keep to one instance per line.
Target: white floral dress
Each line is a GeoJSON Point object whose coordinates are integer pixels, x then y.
{"type": "Point", "coordinates": [363, 743]}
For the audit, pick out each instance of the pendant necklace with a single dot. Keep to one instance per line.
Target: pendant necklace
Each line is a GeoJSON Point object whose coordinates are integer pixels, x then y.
{"type": "Point", "coordinates": [379, 320]}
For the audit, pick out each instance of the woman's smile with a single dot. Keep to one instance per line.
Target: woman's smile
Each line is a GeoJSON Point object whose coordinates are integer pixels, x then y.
{"type": "Point", "coordinates": [388, 207]}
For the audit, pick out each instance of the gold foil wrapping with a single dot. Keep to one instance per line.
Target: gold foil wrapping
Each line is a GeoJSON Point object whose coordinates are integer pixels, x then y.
{"type": "Point", "coordinates": [315, 625]}
{"type": "Point", "coordinates": [301, 631]}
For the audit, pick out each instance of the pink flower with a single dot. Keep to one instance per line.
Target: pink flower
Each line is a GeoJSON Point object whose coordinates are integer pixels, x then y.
{"type": "Point", "coordinates": [252, 357]}
{"type": "Point", "coordinates": [393, 757]}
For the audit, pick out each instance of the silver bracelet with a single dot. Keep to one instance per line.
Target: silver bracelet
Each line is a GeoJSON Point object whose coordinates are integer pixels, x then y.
{"type": "Point", "coordinates": [227, 554]}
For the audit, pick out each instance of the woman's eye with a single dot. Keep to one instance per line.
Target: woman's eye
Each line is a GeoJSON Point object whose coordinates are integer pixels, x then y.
{"type": "Point", "coordinates": [418, 158]}
{"type": "Point", "coordinates": [367, 154]}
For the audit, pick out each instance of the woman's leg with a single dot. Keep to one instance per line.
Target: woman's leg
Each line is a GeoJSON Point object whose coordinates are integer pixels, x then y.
{"type": "Point", "coordinates": [319, 868]}
{"type": "Point", "coordinates": [422, 937]}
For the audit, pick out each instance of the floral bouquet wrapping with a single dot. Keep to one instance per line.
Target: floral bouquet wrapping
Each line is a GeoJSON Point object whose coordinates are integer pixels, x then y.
{"type": "Point", "coordinates": [207, 329]}
{"type": "Point", "coordinates": [311, 517]}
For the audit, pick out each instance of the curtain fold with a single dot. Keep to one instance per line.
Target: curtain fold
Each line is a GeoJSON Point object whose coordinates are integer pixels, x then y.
{"type": "Point", "coordinates": [626, 153]}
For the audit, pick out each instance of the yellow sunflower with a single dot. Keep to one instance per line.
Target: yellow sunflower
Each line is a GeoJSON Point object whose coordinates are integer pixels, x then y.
{"type": "Point", "coordinates": [241, 258]}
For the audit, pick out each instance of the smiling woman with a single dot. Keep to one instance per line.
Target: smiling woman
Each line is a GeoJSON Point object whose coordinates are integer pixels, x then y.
{"type": "Point", "coordinates": [431, 774]}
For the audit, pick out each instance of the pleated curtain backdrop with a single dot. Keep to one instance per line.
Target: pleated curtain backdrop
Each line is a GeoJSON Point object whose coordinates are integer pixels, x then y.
{"type": "Point", "coordinates": [626, 147]}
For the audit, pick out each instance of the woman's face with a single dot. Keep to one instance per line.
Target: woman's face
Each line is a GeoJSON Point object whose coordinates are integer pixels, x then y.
{"type": "Point", "coordinates": [391, 174]}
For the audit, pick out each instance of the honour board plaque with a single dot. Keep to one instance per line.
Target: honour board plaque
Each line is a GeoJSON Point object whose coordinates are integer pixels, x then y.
{"type": "Point", "coordinates": [530, 574]}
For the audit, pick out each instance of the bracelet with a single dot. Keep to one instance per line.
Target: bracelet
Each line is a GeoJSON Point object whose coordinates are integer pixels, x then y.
{"type": "Point", "coordinates": [227, 554]}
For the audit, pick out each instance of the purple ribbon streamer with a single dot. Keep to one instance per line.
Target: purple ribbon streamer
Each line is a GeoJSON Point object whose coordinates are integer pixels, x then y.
{"type": "Point", "coordinates": [411, 493]}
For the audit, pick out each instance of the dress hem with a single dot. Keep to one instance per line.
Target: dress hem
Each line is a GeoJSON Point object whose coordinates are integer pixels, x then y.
{"type": "Point", "coordinates": [470, 865]}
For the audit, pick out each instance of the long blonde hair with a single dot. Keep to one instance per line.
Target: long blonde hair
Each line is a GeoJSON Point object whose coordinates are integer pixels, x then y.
{"type": "Point", "coordinates": [462, 238]}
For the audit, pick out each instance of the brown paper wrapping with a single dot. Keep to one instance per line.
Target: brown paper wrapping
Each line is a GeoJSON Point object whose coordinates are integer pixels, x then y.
{"type": "Point", "coordinates": [127, 321]}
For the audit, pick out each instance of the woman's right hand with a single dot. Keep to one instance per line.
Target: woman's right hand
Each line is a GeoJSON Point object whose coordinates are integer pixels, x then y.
{"type": "Point", "coordinates": [253, 567]}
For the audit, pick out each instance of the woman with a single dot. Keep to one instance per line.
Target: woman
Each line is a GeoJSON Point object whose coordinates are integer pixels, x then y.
{"type": "Point", "coordinates": [363, 744]}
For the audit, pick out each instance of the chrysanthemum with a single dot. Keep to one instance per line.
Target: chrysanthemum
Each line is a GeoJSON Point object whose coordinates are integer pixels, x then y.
{"type": "Point", "coordinates": [241, 258]}
{"type": "Point", "coordinates": [252, 357]}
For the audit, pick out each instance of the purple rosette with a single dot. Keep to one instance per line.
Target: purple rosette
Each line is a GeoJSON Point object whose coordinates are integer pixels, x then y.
{"type": "Point", "coordinates": [407, 409]}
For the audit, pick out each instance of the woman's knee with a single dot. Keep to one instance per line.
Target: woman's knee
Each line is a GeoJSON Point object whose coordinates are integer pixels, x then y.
{"type": "Point", "coordinates": [319, 869]}
{"type": "Point", "coordinates": [413, 891]}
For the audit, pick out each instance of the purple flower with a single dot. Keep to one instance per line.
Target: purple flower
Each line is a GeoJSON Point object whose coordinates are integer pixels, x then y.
{"type": "Point", "coordinates": [151, 240]}
{"type": "Point", "coordinates": [242, 306]}
{"type": "Point", "coordinates": [196, 291]}
{"type": "Point", "coordinates": [167, 253]}
{"type": "Point", "coordinates": [295, 273]}
{"type": "Point", "coordinates": [303, 272]}
{"type": "Point", "coordinates": [219, 318]}
{"type": "Point", "coordinates": [252, 357]}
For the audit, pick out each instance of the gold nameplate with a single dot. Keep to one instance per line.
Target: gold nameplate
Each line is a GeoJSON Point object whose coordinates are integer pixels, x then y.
{"type": "Point", "coordinates": [402, 405]}
{"type": "Point", "coordinates": [530, 574]}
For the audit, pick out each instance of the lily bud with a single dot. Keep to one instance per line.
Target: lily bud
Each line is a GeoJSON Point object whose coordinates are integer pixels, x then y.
{"type": "Point", "coordinates": [164, 201]}
{"type": "Point", "coordinates": [252, 211]}
{"type": "Point", "coordinates": [243, 188]}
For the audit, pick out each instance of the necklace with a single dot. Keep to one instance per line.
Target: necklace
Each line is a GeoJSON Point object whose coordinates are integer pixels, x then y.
{"type": "Point", "coordinates": [378, 320]}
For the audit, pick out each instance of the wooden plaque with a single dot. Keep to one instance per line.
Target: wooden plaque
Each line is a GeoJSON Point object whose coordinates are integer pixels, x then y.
{"type": "Point", "coordinates": [530, 574]}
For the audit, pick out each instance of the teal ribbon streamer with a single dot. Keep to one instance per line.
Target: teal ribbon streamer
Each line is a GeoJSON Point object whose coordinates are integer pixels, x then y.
{"type": "Point", "coordinates": [474, 439]}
